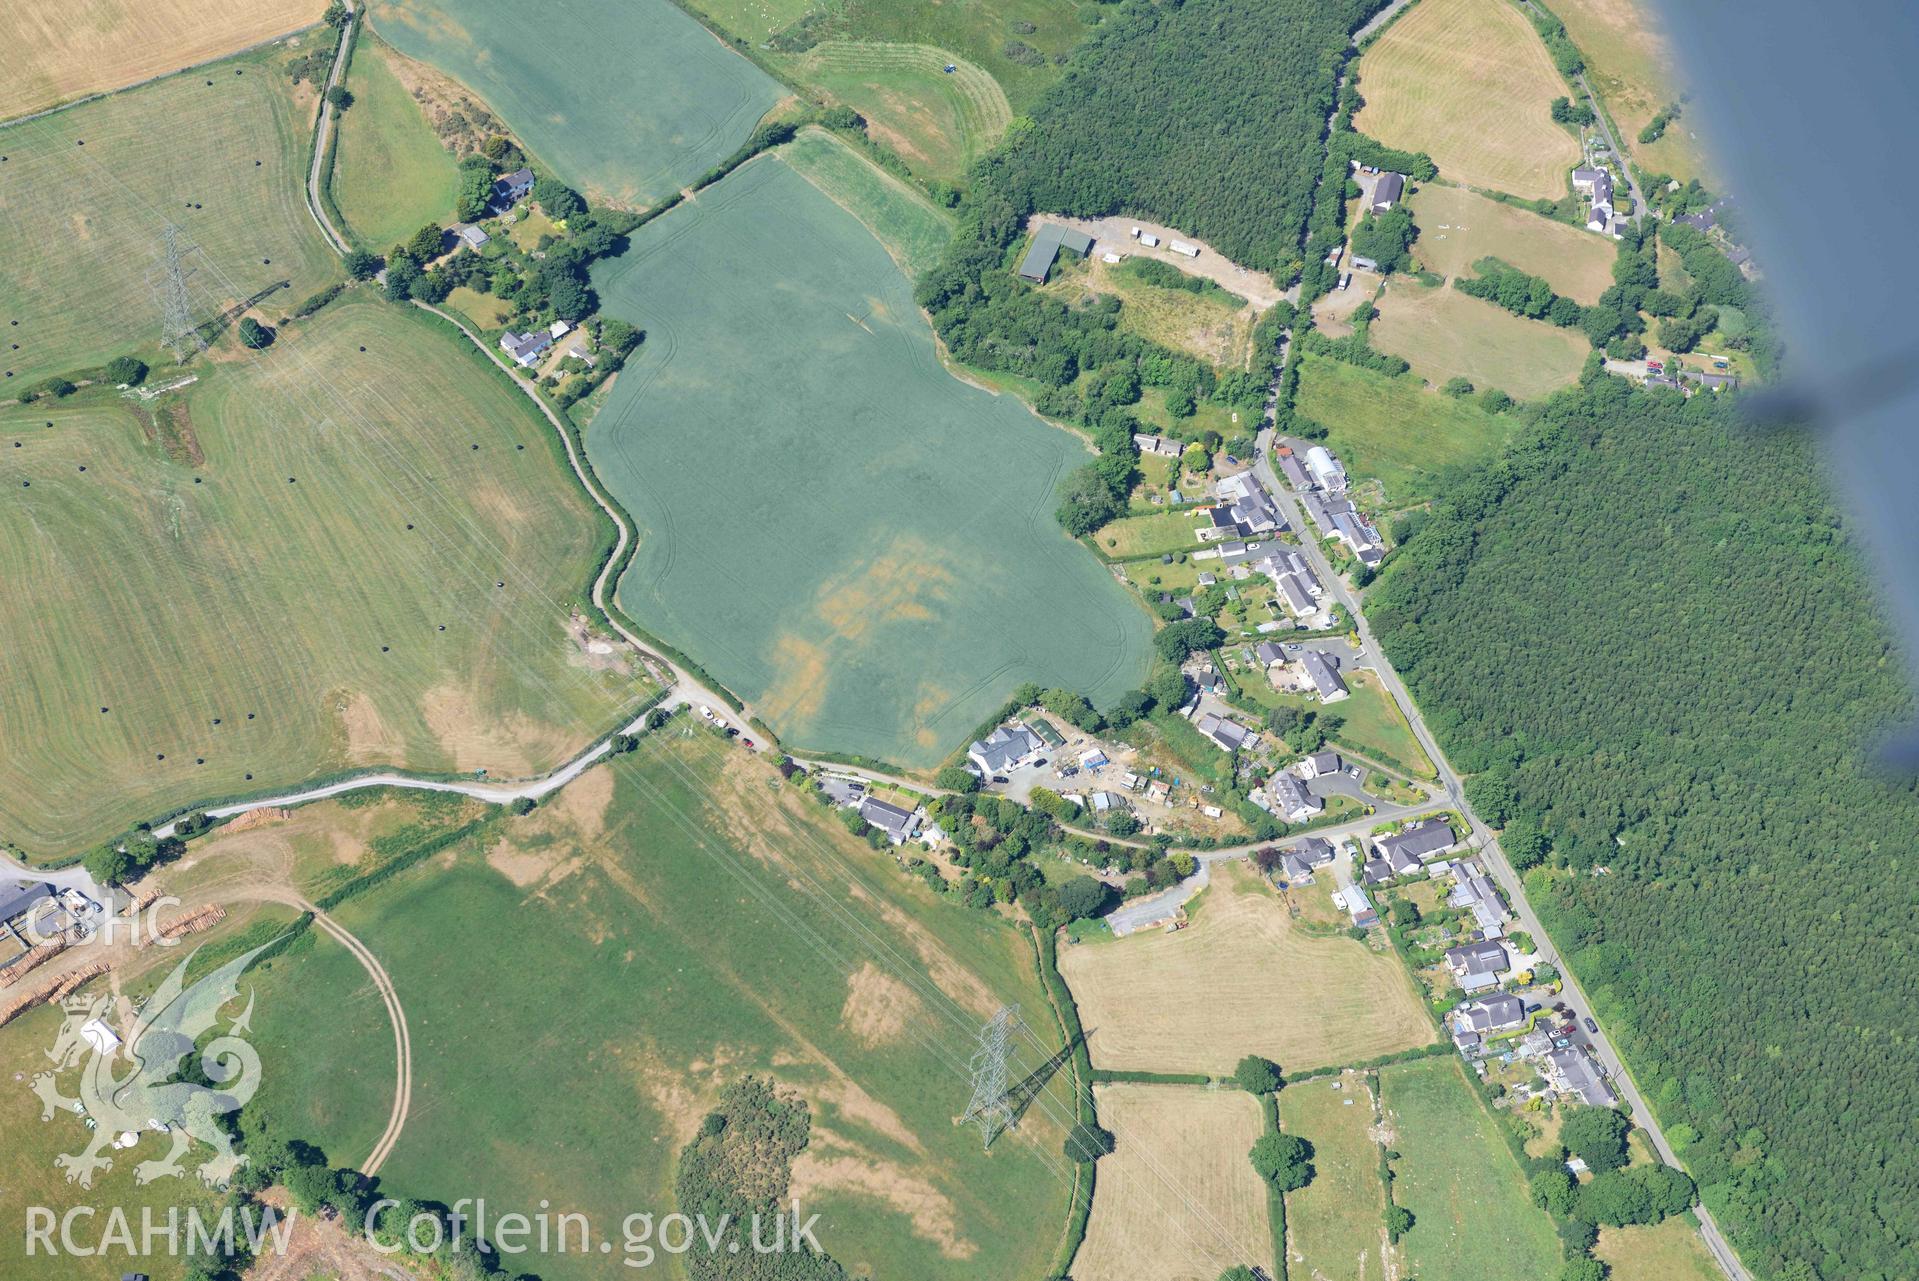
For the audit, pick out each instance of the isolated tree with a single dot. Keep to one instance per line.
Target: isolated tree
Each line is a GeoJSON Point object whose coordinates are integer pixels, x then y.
{"type": "Point", "coordinates": [956, 778]}
{"type": "Point", "coordinates": [1241, 1273]}
{"type": "Point", "coordinates": [336, 14]}
{"type": "Point", "coordinates": [1458, 387]}
{"type": "Point", "coordinates": [1256, 1075]}
{"type": "Point", "coordinates": [1399, 1221]}
{"type": "Point", "coordinates": [426, 242]}
{"type": "Point", "coordinates": [521, 805]}
{"type": "Point", "coordinates": [126, 369]}
{"type": "Point", "coordinates": [1122, 824]}
{"type": "Point", "coordinates": [254, 334]}
{"type": "Point", "coordinates": [1080, 897]}
{"type": "Point", "coordinates": [1553, 1191]}
{"type": "Point", "coordinates": [339, 97]}
{"type": "Point", "coordinates": [1087, 501]}
{"type": "Point", "coordinates": [1596, 1136]}
{"type": "Point", "coordinates": [1178, 641]}
{"type": "Point", "coordinates": [1088, 1142]}
{"type": "Point", "coordinates": [1284, 1160]}
{"type": "Point", "coordinates": [362, 265]}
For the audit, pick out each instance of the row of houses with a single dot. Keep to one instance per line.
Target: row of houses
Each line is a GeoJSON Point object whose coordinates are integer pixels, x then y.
{"type": "Point", "coordinates": [1338, 517]}
{"type": "Point", "coordinates": [1501, 1022]}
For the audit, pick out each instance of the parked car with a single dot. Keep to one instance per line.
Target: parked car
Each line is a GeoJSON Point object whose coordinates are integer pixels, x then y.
{"type": "Point", "coordinates": [1592, 1026]}
{"type": "Point", "coordinates": [747, 741]}
{"type": "Point", "coordinates": [1041, 761]}
{"type": "Point", "coordinates": [1001, 778]}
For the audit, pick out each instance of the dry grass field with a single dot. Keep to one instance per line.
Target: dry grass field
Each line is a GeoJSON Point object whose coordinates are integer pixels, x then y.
{"type": "Point", "coordinates": [53, 51]}
{"type": "Point", "coordinates": [1212, 324]}
{"type": "Point", "coordinates": [1240, 980]}
{"type": "Point", "coordinates": [1443, 333]}
{"type": "Point", "coordinates": [1469, 83]}
{"type": "Point", "coordinates": [1458, 228]}
{"type": "Point", "coordinates": [1177, 1200]}
{"type": "Point", "coordinates": [1629, 62]}
{"type": "Point", "coordinates": [1335, 1229]}
{"type": "Point", "coordinates": [1670, 1251]}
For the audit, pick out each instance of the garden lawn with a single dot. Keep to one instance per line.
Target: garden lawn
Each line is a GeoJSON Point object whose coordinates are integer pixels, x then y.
{"type": "Point", "coordinates": [581, 982]}
{"type": "Point", "coordinates": [391, 175]}
{"type": "Point", "coordinates": [1150, 535]}
{"type": "Point", "coordinates": [628, 100]}
{"type": "Point", "coordinates": [858, 544]}
{"type": "Point", "coordinates": [1473, 1219]}
{"type": "Point", "coordinates": [231, 574]}
{"type": "Point", "coordinates": [1375, 726]}
{"type": "Point", "coordinates": [86, 194]}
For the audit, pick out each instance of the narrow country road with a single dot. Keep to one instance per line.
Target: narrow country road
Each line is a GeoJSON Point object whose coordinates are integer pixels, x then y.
{"type": "Point", "coordinates": [1483, 838]}
{"type": "Point", "coordinates": [323, 133]}
{"type": "Point", "coordinates": [1605, 128]}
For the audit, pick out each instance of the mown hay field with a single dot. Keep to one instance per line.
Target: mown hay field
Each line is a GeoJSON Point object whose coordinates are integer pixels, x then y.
{"type": "Point", "coordinates": [853, 540]}
{"type": "Point", "coordinates": [913, 229]}
{"type": "Point", "coordinates": [231, 574]}
{"type": "Point", "coordinates": [86, 194]}
{"type": "Point", "coordinates": [391, 175]}
{"type": "Point", "coordinates": [1472, 1217]}
{"type": "Point", "coordinates": [1176, 1200]}
{"type": "Point", "coordinates": [1469, 82]}
{"type": "Point", "coordinates": [1630, 62]}
{"type": "Point", "coordinates": [1444, 334]}
{"type": "Point", "coordinates": [1669, 1251]}
{"type": "Point", "coordinates": [581, 982]}
{"type": "Point", "coordinates": [1457, 228]}
{"type": "Point", "coordinates": [1241, 979]}
{"type": "Point", "coordinates": [627, 100]}
{"type": "Point", "coordinates": [938, 122]}
{"type": "Point", "coordinates": [1396, 430]}
{"type": "Point", "coordinates": [1336, 1225]}
{"type": "Point", "coordinates": [53, 51]}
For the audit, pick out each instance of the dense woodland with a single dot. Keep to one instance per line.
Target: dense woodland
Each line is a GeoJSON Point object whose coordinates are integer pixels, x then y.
{"type": "Point", "coordinates": [1209, 116]}
{"type": "Point", "coordinates": [1647, 636]}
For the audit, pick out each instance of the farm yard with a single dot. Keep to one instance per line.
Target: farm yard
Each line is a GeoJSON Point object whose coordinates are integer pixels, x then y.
{"type": "Point", "coordinates": [1335, 1225]}
{"type": "Point", "coordinates": [1444, 334]}
{"type": "Point", "coordinates": [1469, 82]}
{"type": "Point", "coordinates": [658, 895]}
{"type": "Point", "coordinates": [1241, 979]}
{"type": "Point", "coordinates": [627, 100]}
{"type": "Point", "coordinates": [85, 197]}
{"type": "Point", "coordinates": [1457, 228]}
{"type": "Point", "coordinates": [1631, 65]}
{"type": "Point", "coordinates": [53, 51]}
{"type": "Point", "coordinates": [854, 541]}
{"type": "Point", "coordinates": [913, 230]}
{"type": "Point", "coordinates": [1176, 1198]}
{"type": "Point", "coordinates": [1473, 1219]}
{"type": "Point", "coordinates": [1394, 429]}
{"type": "Point", "coordinates": [938, 122]}
{"type": "Point", "coordinates": [230, 637]}
{"type": "Point", "coordinates": [391, 175]}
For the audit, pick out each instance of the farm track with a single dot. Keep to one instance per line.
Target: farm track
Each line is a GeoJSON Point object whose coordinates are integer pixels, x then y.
{"type": "Point", "coordinates": [323, 127]}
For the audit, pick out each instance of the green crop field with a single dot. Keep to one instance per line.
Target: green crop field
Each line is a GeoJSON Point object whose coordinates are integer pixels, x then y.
{"type": "Point", "coordinates": [1473, 1219]}
{"type": "Point", "coordinates": [1335, 1225]}
{"type": "Point", "coordinates": [1394, 429]}
{"type": "Point", "coordinates": [391, 175]}
{"type": "Point", "coordinates": [938, 122]}
{"type": "Point", "coordinates": [1444, 334]}
{"type": "Point", "coordinates": [854, 541]}
{"type": "Point", "coordinates": [912, 228]}
{"type": "Point", "coordinates": [628, 100]}
{"type": "Point", "coordinates": [233, 577]}
{"type": "Point", "coordinates": [580, 984]}
{"type": "Point", "coordinates": [86, 194]}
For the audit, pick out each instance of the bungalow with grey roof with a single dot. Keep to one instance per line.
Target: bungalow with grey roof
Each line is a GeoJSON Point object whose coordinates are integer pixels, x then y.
{"type": "Point", "coordinates": [1008, 747]}
{"type": "Point", "coordinates": [1574, 1071]}
{"type": "Point", "coordinates": [1319, 763]}
{"type": "Point", "coordinates": [1289, 799]}
{"type": "Point", "coordinates": [1387, 191]}
{"type": "Point", "coordinates": [1295, 474]}
{"type": "Point", "coordinates": [1486, 1015]}
{"type": "Point", "coordinates": [1269, 652]}
{"type": "Point", "coordinates": [898, 824]}
{"type": "Point", "coordinates": [1228, 734]}
{"type": "Point", "coordinates": [1475, 891]}
{"type": "Point", "coordinates": [1418, 843]}
{"type": "Point", "coordinates": [525, 348]}
{"type": "Point", "coordinates": [1476, 966]}
{"type": "Point", "coordinates": [1319, 670]}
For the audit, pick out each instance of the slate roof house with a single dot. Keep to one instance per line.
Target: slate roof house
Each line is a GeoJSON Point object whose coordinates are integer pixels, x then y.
{"type": "Point", "coordinates": [1229, 735]}
{"type": "Point", "coordinates": [1327, 762]}
{"type": "Point", "coordinates": [511, 189]}
{"type": "Point", "coordinates": [525, 348]}
{"type": "Point", "coordinates": [898, 824]}
{"type": "Point", "coordinates": [1418, 843]}
{"type": "Point", "coordinates": [1578, 1073]}
{"type": "Point", "coordinates": [18, 897]}
{"type": "Point", "coordinates": [1319, 670]}
{"type": "Point", "coordinates": [1387, 191]}
{"type": "Point", "coordinates": [1476, 966]}
{"type": "Point", "coordinates": [1291, 800]}
{"type": "Point", "coordinates": [1007, 747]}
{"type": "Point", "coordinates": [1499, 1012]}
{"type": "Point", "coordinates": [1476, 891]}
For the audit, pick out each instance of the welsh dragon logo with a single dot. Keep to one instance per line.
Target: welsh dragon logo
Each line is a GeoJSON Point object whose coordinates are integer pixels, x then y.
{"type": "Point", "coordinates": [127, 1087]}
